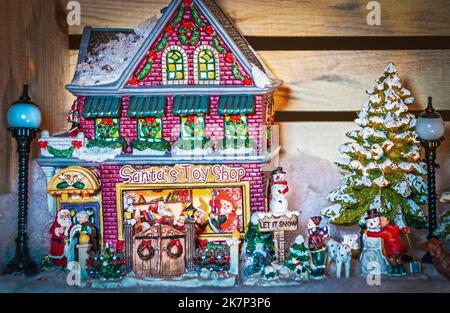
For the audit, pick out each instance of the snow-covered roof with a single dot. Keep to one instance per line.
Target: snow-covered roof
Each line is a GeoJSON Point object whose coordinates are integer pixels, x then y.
{"type": "Point", "coordinates": [108, 57]}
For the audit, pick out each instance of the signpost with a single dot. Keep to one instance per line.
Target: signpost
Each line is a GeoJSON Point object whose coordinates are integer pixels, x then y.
{"type": "Point", "coordinates": [278, 224]}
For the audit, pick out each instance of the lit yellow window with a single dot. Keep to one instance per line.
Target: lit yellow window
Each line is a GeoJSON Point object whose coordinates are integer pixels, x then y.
{"type": "Point", "coordinates": [207, 65]}
{"type": "Point", "coordinates": [175, 66]}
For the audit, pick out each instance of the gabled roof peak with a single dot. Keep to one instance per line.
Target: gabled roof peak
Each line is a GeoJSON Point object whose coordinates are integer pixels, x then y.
{"type": "Point", "coordinates": [124, 49]}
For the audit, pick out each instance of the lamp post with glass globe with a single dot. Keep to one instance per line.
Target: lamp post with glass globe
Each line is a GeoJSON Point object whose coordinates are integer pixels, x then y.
{"type": "Point", "coordinates": [24, 119]}
{"type": "Point", "coordinates": [430, 129]}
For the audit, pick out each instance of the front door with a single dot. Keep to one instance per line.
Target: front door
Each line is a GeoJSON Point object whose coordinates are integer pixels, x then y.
{"type": "Point", "coordinates": [93, 207]}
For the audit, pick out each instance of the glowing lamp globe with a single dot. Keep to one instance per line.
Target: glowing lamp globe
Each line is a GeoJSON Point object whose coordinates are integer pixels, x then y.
{"type": "Point", "coordinates": [24, 113]}
{"type": "Point", "coordinates": [430, 125]}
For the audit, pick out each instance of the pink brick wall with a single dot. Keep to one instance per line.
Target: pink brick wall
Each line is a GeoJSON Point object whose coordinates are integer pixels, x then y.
{"type": "Point", "coordinates": [155, 76]}
{"type": "Point", "coordinates": [214, 122]}
{"type": "Point", "coordinates": [109, 175]}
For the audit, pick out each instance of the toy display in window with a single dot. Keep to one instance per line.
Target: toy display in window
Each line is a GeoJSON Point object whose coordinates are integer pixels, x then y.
{"type": "Point", "coordinates": [227, 218]}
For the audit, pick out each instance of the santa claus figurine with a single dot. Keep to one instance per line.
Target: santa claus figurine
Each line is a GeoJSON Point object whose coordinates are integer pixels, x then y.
{"type": "Point", "coordinates": [393, 247]}
{"type": "Point", "coordinates": [59, 234]}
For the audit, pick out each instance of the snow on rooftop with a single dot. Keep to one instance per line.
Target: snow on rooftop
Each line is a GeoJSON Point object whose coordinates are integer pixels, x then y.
{"type": "Point", "coordinates": [106, 62]}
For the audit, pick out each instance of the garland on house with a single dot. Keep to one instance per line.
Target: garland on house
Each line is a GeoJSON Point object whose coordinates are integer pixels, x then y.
{"type": "Point", "coordinates": [117, 143]}
{"type": "Point", "coordinates": [160, 145]}
{"type": "Point", "coordinates": [189, 34]}
{"type": "Point", "coordinates": [61, 153]}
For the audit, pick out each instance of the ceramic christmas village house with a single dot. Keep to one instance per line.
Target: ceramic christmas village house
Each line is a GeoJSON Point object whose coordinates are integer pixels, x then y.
{"type": "Point", "coordinates": [168, 147]}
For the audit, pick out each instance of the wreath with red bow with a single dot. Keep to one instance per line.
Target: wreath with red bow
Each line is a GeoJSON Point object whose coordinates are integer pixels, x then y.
{"type": "Point", "coordinates": [146, 245]}
{"type": "Point", "coordinates": [188, 33]}
{"type": "Point", "coordinates": [174, 243]}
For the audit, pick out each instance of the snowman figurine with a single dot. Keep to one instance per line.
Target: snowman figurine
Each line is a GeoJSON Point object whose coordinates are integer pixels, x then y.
{"type": "Point", "coordinates": [372, 257]}
{"type": "Point", "coordinates": [278, 202]}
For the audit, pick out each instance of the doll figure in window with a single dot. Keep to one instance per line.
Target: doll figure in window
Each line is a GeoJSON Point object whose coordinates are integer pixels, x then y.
{"type": "Point", "coordinates": [83, 232]}
{"type": "Point", "coordinates": [226, 220]}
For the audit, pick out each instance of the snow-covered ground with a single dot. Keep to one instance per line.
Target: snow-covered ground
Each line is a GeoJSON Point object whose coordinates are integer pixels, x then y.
{"type": "Point", "coordinates": [56, 282]}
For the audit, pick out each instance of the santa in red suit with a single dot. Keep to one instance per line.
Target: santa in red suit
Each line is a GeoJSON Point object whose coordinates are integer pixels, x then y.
{"type": "Point", "coordinates": [59, 233]}
{"type": "Point", "coordinates": [393, 246]}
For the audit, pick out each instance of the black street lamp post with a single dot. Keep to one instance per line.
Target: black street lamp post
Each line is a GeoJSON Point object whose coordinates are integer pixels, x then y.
{"type": "Point", "coordinates": [430, 128]}
{"type": "Point", "coordinates": [24, 119]}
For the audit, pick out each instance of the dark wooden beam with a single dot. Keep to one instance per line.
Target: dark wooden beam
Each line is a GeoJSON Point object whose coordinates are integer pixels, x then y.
{"type": "Point", "coordinates": [334, 43]}
{"type": "Point", "coordinates": [317, 116]}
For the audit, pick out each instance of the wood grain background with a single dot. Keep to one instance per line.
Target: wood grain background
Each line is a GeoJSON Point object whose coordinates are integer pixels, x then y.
{"type": "Point", "coordinates": [324, 51]}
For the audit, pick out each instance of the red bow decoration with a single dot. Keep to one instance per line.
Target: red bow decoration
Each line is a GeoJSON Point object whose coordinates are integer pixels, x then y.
{"type": "Point", "coordinates": [187, 3]}
{"type": "Point", "coordinates": [152, 55]}
{"type": "Point", "coordinates": [120, 245]}
{"type": "Point", "coordinates": [43, 144]}
{"type": "Point", "coordinates": [188, 24]}
{"type": "Point", "coordinates": [146, 245]}
{"type": "Point", "coordinates": [169, 29]}
{"type": "Point", "coordinates": [203, 243]}
{"type": "Point", "coordinates": [229, 58]}
{"type": "Point", "coordinates": [77, 144]}
{"type": "Point", "coordinates": [133, 81]}
{"type": "Point", "coordinates": [209, 30]}
{"type": "Point", "coordinates": [248, 81]}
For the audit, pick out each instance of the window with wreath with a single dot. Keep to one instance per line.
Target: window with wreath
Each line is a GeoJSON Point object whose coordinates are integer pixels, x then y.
{"type": "Point", "coordinates": [107, 128]}
{"type": "Point", "coordinates": [175, 65]}
{"type": "Point", "coordinates": [149, 129]}
{"type": "Point", "coordinates": [236, 127]}
{"type": "Point", "coordinates": [192, 127]}
{"type": "Point", "coordinates": [236, 133]}
{"type": "Point", "coordinates": [206, 65]}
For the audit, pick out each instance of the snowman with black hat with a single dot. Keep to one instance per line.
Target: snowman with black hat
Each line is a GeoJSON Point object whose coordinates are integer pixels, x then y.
{"type": "Point", "coordinates": [278, 202]}
{"type": "Point", "coordinates": [372, 258]}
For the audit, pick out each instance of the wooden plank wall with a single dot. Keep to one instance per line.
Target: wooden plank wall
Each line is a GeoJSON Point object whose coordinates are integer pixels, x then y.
{"type": "Point", "coordinates": [326, 54]}
{"type": "Point", "coordinates": [34, 47]}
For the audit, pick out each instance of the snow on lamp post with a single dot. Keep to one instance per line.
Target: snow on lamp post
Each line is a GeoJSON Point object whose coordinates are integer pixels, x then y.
{"type": "Point", "coordinates": [430, 129]}
{"type": "Point", "coordinates": [24, 119]}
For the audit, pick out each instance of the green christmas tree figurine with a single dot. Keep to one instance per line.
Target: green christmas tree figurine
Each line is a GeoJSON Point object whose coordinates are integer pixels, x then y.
{"type": "Point", "coordinates": [258, 249]}
{"type": "Point", "coordinates": [298, 260]}
{"type": "Point", "coordinates": [382, 166]}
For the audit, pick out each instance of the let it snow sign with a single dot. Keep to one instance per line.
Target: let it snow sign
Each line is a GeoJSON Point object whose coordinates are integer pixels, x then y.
{"type": "Point", "coordinates": [278, 223]}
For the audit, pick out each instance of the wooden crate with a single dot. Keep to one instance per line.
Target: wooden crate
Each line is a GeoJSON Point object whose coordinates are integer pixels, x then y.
{"type": "Point", "coordinates": [160, 265]}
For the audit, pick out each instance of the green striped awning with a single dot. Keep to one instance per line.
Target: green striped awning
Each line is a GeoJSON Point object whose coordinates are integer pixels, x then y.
{"type": "Point", "coordinates": [141, 106]}
{"type": "Point", "coordinates": [187, 105]}
{"type": "Point", "coordinates": [237, 104]}
{"type": "Point", "coordinates": [102, 107]}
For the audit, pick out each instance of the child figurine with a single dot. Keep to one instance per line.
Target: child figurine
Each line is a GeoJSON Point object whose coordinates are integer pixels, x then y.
{"type": "Point", "coordinates": [393, 246]}
{"type": "Point", "coordinates": [318, 232]}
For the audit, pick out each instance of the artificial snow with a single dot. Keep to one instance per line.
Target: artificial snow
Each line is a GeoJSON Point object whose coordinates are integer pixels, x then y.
{"type": "Point", "coordinates": [185, 281]}
{"type": "Point", "coordinates": [260, 79]}
{"type": "Point", "coordinates": [97, 154]}
{"type": "Point", "coordinates": [39, 219]}
{"type": "Point", "coordinates": [107, 63]}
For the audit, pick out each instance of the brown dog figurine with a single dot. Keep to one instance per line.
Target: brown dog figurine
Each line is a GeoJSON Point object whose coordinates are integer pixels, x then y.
{"type": "Point", "coordinates": [441, 258]}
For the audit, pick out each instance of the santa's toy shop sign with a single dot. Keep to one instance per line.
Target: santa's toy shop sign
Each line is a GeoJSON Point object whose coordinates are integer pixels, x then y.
{"type": "Point", "coordinates": [182, 174]}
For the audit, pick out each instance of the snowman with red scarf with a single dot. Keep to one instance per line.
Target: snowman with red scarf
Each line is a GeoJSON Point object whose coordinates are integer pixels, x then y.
{"type": "Point", "coordinates": [278, 202]}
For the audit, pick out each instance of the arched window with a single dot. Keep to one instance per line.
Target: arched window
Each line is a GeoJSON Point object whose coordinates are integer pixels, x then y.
{"type": "Point", "coordinates": [206, 67]}
{"type": "Point", "coordinates": [174, 66]}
